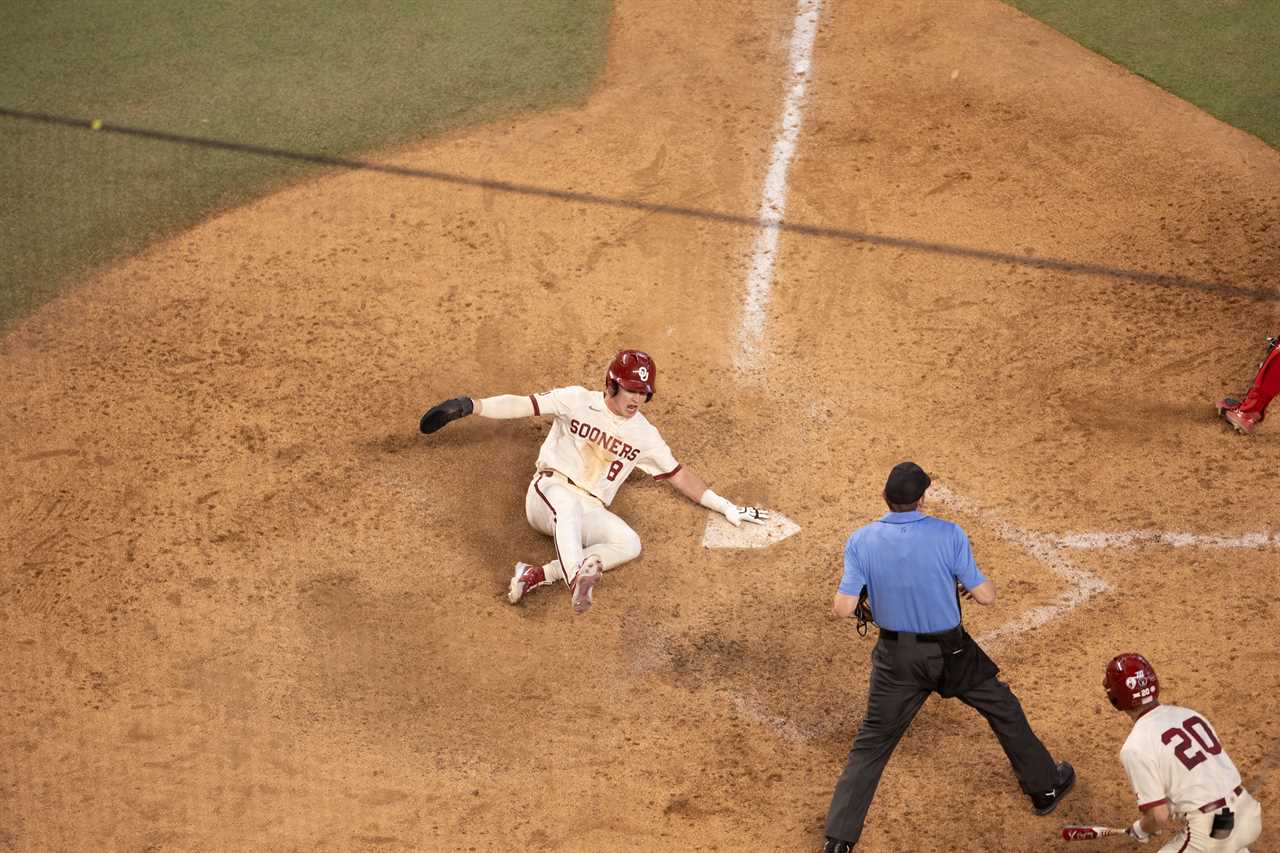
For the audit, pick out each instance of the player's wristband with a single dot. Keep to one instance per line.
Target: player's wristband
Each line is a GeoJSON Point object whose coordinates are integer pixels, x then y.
{"type": "Point", "coordinates": [1137, 831]}
{"type": "Point", "coordinates": [714, 502]}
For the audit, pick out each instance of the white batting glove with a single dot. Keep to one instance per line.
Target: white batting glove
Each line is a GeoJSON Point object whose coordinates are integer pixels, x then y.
{"type": "Point", "coordinates": [752, 514]}
{"type": "Point", "coordinates": [1137, 834]}
{"type": "Point", "coordinates": [731, 511]}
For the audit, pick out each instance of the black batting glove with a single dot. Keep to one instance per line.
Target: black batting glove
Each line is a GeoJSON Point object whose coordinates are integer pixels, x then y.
{"type": "Point", "coordinates": [441, 413]}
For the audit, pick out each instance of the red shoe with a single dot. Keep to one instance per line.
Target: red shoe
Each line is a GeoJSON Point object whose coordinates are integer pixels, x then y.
{"type": "Point", "coordinates": [526, 577]}
{"type": "Point", "coordinates": [1243, 421]}
{"type": "Point", "coordinates": [1226, 404]}
{"type": "Point", "coordinates": [588, 576]}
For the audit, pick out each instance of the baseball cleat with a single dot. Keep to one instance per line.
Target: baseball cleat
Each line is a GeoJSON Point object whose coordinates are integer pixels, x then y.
{"type": "Point", "coordinates": [525, 578]}
{"type": "Point", "coordinates": [1244, 422]}
{"type": "Point", "coordinates": [1044, 803]}
{"type": "Point", "coordinates": [1226, 404]}
{"type": "Point", "coordinates": [588, 576]}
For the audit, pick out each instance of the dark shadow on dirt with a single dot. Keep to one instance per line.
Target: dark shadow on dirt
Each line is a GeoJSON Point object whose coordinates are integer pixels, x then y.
{"type": "Point", "coordinates": [840, 234]}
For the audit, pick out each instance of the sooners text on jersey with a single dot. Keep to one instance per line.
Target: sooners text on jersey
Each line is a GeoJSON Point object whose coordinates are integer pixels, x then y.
{"type": "Point", "coordinates": [611, 443]}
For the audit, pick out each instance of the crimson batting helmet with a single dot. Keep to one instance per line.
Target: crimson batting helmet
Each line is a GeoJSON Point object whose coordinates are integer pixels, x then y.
{"type": "Point", "coordinates": [634, 371]}
{"type": "Point", "coordinates": [1130, 682]}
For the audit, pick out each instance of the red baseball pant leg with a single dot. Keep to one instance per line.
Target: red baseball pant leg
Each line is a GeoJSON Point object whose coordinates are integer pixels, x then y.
{"type": "Point", "coordinates": [1265, 386]}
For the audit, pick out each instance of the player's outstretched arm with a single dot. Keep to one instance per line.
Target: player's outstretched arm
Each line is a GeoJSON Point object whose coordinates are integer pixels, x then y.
{"type": "Point", "coordinates": [695, 489]}
{"type": "Point", "coordinates": [501, 407]}
{"type": "Point", "coordinates": [504, 407]}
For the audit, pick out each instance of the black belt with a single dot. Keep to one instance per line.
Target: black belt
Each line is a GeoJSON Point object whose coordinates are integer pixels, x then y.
{"type": "Point", "coordinates": [936, 637]}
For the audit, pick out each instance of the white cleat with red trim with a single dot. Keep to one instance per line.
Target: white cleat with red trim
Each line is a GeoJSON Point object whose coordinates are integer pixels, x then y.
{"type": "Point", "coordinates": [588, 576]}
{"type": "Point", "coordinates": [524, 580]}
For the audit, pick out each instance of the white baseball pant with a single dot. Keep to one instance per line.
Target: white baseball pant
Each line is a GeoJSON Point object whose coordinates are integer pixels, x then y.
{"type": "Point", "coordinates": [579, 524]}
{"type": "Point", "coordinates": [1195, 838]}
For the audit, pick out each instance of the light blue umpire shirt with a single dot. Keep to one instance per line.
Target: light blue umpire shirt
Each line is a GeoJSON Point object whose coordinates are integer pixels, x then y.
{"type": "Point", "coordinates": [909, 563]}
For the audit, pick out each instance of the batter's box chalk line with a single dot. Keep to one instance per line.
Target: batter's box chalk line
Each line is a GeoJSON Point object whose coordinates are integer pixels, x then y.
{"type": "Point", "coordinates": [1079, 587]}
{"type": "Point", "coordinates": [755, 712]}
{"type": "Point", "coordinates": [1081, 584]}
{"type": "Point", "coordinates": [719, 533]}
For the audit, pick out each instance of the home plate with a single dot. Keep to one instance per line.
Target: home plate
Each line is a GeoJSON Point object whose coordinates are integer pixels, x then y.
{"type": "Point", "coordinates": [721, 534]}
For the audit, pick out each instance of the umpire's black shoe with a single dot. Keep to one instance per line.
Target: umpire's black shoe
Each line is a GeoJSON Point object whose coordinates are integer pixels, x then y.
{"type": "Point", "coordinates": [1044, 803]}
{"type": "Point", "coordinates": [835, 845]}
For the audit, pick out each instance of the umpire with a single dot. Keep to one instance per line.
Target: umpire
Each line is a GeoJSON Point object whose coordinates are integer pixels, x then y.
{"type": "Point", "coordinates": [912, 568]}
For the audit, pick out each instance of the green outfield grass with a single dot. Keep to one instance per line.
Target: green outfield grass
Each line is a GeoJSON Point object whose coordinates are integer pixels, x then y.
{"type": "Point", "coordinates": [1221, 55]}
{"type": "Point", "coordinates": [315, 78]}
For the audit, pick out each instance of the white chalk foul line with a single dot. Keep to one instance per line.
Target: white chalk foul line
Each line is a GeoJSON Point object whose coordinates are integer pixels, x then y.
{"type": "Point", "coordinates": [1081, 583]}
{"type": "Point", "coordinates": [773, 208]}
{"type": "Point", "coordinates": [1135, 538]}
{"type": "Point", "coordinates": [773, 202]}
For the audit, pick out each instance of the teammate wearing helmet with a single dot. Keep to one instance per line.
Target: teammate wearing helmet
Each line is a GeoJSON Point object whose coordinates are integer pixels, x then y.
{"type": "Point", "coordinates": [596, 440]}
{"type": "Point", "coordinates": [1178, 768]}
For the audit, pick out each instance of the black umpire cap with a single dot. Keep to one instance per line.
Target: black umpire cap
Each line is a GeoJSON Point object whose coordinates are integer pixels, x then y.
{"type": "Point", "coordinates": [907, 482]}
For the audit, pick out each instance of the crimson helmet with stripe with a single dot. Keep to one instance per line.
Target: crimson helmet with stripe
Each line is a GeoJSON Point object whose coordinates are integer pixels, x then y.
{"type": "Point", "coordinates": [1130, 681]}
{"type": "Point", "coordinates": [633, 370]}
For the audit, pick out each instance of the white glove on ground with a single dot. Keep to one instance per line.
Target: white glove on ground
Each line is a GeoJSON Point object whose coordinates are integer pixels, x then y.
{"type": "Point", "coordinates": [731, 511]}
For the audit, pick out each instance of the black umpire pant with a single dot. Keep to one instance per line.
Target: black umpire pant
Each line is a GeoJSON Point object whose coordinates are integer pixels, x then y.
{"type": "Point", "coordinates": [903, 674]}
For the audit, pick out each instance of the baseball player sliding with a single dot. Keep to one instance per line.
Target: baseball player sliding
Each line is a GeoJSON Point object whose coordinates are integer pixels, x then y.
{"type": "Point", "coordinates": [1178, 768]}
{"type": "Point", "coordinates": [597, 439]}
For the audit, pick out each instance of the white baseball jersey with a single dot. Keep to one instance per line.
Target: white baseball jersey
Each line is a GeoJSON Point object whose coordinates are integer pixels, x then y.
{"type": "Point", "coordinates": [596, 449]}
{"type": "Point", "coordinates": [1174, 756]}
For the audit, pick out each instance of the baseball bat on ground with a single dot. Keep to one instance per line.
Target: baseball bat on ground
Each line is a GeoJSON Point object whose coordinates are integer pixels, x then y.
{"type": "Point", "coordinates": [1084, 833]}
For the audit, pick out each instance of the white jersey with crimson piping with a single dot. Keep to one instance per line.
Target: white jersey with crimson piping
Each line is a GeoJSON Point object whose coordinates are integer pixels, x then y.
{"type": "Point", "coordinates": [596, 449]}
{"type": "Point", "coordinates": [1174, 756]}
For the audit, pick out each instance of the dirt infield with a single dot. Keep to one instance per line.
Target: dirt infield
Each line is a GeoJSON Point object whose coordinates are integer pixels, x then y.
{"type": "Point", "coordinates": [245, 606]}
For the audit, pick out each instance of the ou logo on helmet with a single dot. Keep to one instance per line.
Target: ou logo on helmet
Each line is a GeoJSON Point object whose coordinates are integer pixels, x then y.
{"type": "Point", "coordinates": [642, 373]}
{"type": "Point", "coordinates": [1133, 682]}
